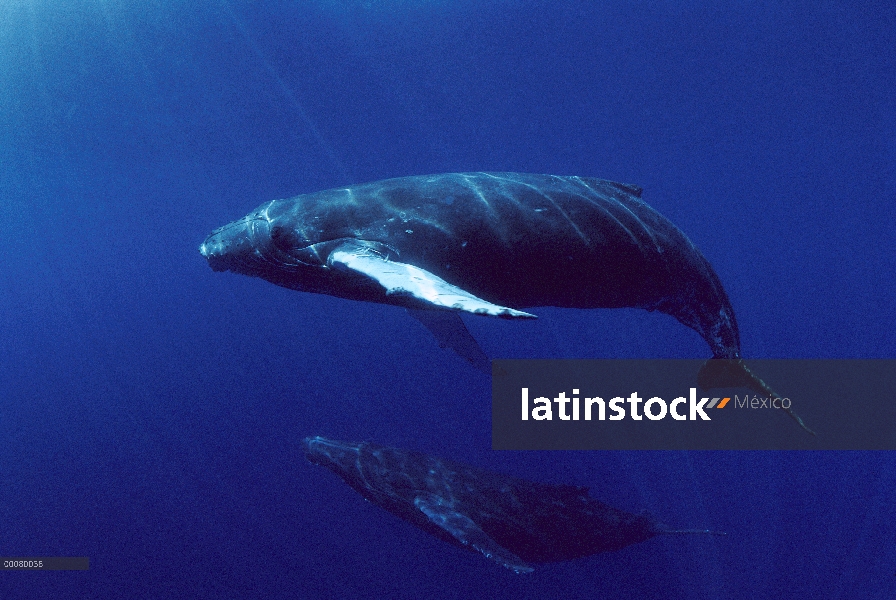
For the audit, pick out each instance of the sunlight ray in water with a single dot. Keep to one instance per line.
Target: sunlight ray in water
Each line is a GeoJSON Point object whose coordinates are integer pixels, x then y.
{"type": "Point", "coordinates": [288, 94]}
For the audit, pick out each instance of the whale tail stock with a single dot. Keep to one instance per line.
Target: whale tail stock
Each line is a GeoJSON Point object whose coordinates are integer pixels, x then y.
{"type": "Point", "coordinates": [733, 372]}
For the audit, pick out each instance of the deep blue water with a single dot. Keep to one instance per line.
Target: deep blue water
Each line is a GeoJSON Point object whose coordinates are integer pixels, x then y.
{"type": "Point", "coordinates": [151, 411]}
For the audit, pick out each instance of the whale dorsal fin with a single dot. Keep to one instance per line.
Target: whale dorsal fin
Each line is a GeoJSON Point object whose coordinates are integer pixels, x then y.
{"type": "Point", "coordinates": [634, 190]}
{"type": "Point", "coordinates": [408, 280]}
{"type": "Point", "coordinates": [467, 532]}
{"type": "Point", "coordinates": [603, 184]}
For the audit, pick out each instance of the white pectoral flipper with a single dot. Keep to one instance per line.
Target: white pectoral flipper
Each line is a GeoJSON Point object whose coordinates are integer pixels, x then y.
{"type": "Point", "coordinates": [404, 279]}
{"type": "Point", "coordinates": [463, 529]}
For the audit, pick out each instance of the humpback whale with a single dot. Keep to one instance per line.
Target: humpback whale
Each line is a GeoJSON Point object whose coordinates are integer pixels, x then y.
{"type": "Point", "coordinates": [488, 244]}
{"type": "Point", "coordinates": [511, 521]}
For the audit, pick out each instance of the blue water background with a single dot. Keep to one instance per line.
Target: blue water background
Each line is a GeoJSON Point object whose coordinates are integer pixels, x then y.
{"type": "Point", "coordinates": [151, 411]}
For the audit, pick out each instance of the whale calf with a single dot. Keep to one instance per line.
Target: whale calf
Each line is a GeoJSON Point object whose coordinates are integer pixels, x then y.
{"type": "Point", "coordinates": [488, 244]}
{"type": "Point", "coordinates": [511, 521]}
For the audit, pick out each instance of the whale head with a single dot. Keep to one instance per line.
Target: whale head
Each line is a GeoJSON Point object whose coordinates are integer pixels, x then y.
{"type": "Point", "coordinates": [340, 457]}
{"type": "Point", "coordinates": [243, 246]}
{"type": "Point", "coordinates": [272, 245]}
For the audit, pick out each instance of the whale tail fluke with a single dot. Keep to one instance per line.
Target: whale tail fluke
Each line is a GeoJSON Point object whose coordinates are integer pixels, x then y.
{"type": "Point", "coordinates": [725, 372]}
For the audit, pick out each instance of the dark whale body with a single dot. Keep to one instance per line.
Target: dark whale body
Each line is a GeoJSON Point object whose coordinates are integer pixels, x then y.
{"type": "Point", "coordinates": [488, 244]}
{"type": "Point", "coordinates": [512, 239]}
{"type": "Point", "coordinates": [509, 520]}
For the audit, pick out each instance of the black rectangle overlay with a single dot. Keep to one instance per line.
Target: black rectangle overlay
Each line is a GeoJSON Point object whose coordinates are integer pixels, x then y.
{"type": "Point", "coordinates": [850, 404]}
{"type": "Point", "coordinates": [45, 563]}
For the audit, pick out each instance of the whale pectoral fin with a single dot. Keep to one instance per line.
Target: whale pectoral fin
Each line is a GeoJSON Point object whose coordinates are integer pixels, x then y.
{"type": "Point", "coordinates": [450, 331]}
{"type": "Point", "coordinates": [408, 280]}
{"type": "Point", "coordinates": [467, 532]}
